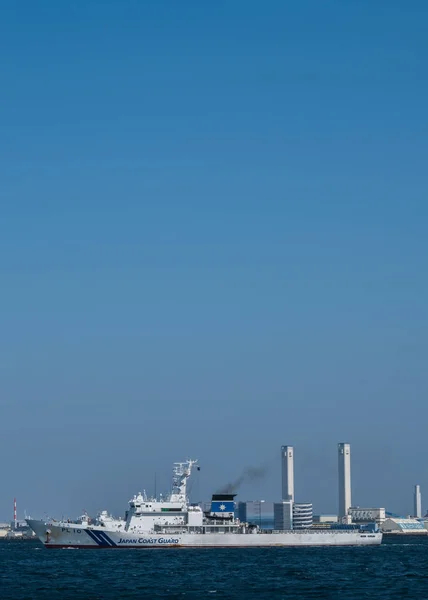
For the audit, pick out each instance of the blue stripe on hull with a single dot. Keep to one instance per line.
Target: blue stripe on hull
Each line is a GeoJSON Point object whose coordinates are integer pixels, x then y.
{"type": "Point", "coordinates": [101, 538]}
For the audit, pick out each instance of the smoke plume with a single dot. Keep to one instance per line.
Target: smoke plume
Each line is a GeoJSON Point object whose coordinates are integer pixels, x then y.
{"type": "Point", "coordinates": [249, 474]}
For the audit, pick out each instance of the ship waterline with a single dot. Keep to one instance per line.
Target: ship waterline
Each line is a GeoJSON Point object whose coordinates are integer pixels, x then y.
{"type": "Point", "coordinates": [59, 536]}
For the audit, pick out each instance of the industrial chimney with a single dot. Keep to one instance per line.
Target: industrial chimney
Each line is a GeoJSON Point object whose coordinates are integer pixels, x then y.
{"type": "Point", "coordinates": [344, 479]}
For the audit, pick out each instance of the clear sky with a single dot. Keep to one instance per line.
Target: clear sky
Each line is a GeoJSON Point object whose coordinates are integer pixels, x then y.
{"type": "Point", "coordinates": [213, 241]}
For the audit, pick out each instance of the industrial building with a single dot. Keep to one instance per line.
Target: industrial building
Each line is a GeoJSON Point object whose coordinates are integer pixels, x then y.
{"type": "Point", "coordinates": [4, 529]}
{"type": "Point", "coordinates": [292, 515]}
{"type": "Point", "coordinates": [401, 525]}
{"type": "Point", "coordinates": [324, 520]}
{"type": "Point", "coordinates": [16, 529]}
{"type": "Point", "coordinates": [344, 454]}
{"type": "Point", "coordinates": [367, 515]}
{"type": "Point", "coordinates": [289, 514]}
{"type": "Point", "coordinates": [302, 515]}
{"type": "Point", "coordinates": [256, 512]}
{"type": "Point", "coordinates": [283, 515]}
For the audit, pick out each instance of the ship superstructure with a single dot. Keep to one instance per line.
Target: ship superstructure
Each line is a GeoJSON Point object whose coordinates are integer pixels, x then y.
{"type": "Point", "coordinates": [172, 521]}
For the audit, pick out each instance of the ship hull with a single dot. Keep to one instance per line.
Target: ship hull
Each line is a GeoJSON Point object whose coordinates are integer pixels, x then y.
{"type": "Point", "coordinates": [73, 536]}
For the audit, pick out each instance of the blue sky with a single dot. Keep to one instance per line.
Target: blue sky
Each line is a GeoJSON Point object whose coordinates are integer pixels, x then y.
{"type": "Point", "coordinates": [213, 241]}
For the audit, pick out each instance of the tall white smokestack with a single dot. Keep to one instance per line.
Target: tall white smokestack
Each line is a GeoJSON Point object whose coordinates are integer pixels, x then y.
{"type": "Point", "coordinates": [418, 502]}
{"type": "Point", "coordinates": [287, 472]}
{"type": "Point", "coordinates": [344, 479]}
{"type": "Point", "coordinates": [15, 520]}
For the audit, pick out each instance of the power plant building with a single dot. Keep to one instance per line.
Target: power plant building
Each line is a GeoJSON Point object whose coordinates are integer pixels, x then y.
{"type": "Point", "coordinates": [367, 515]}
{"type": "Point", "coordinates": [283, 515]}
{"type": "Point", "coordinates": [401, 525]}
{"type": "Point", "coordinates": [324, 519]}
{"type": "Point", "coordinates": [287, 472]}
{"type": "Point", "coordinates": [344, 453]}
{"type": "Point", "coordinates": [256, 512]}
{"type": "Point", "coordinates": [302, 515]}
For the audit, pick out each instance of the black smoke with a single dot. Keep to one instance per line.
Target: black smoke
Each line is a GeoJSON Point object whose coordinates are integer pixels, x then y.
{"type": "Point", "coordinates": [248, 475]}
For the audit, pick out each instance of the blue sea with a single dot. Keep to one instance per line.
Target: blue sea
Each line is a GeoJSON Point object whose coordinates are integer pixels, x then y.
{"type": "Point", "coordinates": [396, 569]}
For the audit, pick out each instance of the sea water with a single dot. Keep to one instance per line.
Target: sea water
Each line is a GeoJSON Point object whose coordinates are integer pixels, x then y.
{"type": "Point", "coordinates": [396, 569]}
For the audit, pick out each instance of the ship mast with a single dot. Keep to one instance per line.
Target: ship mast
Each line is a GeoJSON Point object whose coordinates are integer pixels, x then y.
{"type": "Point", "coordinates": [180, 474]}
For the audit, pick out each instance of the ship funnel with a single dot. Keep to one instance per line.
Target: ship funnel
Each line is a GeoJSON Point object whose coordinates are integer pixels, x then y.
{"type": "Point", "coordinates": [222, 506]}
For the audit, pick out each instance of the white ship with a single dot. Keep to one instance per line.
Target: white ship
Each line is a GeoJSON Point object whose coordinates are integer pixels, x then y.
{"type": "Point", "coordinates": [172, 522]}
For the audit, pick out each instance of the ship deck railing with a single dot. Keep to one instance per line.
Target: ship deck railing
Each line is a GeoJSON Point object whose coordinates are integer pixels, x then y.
{"type": "Point", "coordinates": [315, 530]}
